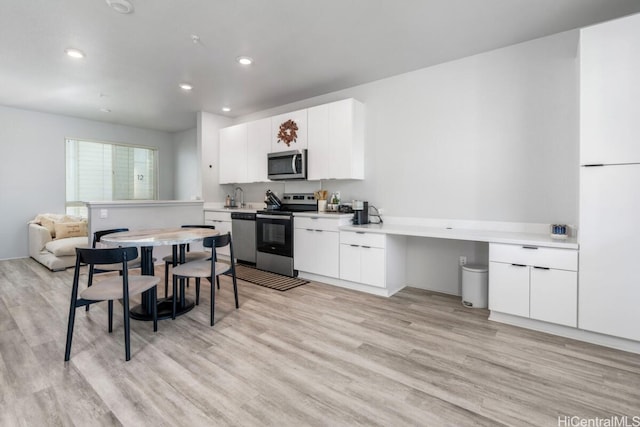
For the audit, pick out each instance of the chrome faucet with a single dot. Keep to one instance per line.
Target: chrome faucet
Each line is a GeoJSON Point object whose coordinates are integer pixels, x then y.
{"type": "Point", "coordinates": [235, 192]}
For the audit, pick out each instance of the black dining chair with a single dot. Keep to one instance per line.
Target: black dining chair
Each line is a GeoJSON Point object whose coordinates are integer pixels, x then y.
{"type": "Point", "coordinates": [97, 236]}
{"type": "Point", "coordinates": [173, 259]}
{"type": "Point", "coordinates": [209, 269]}
{"type": "Point", "coordinates": [109, 289]}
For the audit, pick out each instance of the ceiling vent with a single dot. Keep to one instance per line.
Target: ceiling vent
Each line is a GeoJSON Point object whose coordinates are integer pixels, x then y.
{"type": "Point", "coordinates": [120, 6]}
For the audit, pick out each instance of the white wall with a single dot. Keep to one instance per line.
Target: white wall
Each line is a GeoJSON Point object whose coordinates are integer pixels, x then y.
{"type": "Point", "coordinates": [32, 175]}
{"type": "Point", "coordinates": [489, 137]}
{"type": "Point", "coordinates": [208, 143]}
{"type": "Point", "coordinates": [187, 165]}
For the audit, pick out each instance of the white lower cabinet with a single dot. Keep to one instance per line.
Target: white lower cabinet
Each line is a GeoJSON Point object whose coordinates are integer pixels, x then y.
{"type": "Point", "coordinates": [372, 259]}
{"type": "Point", "coordinates": [372, 266]}
{"type": "Point", "coordinates": [554, 296]}
{"type": "Point", "coordinates": [222, 222]}
{"type": "Point", "coordinates": [316, 244]}
{"type": "Point", "coordinates": [535, 282]}
{"type": "Point", "coordinates": [362, 264]}
{"type": "Point", "coordinates": [316, 251]}
{"type": "Point", "coordinates": [509, 288]}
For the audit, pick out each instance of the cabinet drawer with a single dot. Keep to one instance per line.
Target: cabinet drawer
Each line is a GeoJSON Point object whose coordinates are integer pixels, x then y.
{"type": "Point", "coordinates": [217, 216]}
{"type": "Point", "coordinates": [360, 238]}
{"type": "Point", "coordinates": [563, 259]}
{"type": "Point", "coordinates": [316, 223]}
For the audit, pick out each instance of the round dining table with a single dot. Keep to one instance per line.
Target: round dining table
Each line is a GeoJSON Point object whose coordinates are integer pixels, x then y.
{"type": "Point", "coordinates": [146, 240]}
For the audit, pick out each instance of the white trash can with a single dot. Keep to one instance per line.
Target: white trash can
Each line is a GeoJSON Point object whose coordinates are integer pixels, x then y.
{"type": "Point", "coordinates": [475, 286]}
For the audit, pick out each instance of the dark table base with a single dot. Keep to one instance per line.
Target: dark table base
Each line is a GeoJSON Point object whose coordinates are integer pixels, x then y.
{"type": "Point", "coordinates": [165, 307]}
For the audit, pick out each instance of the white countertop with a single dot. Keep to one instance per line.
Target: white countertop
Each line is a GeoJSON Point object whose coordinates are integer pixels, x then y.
{"type": "Point", "coordinates": [478, 235]}
{"type": "Point", "coordinates": [332, 215]}
{"type": "Point", "coordinates": [141, 203]}
{"type": "Point", "coordinates": [219, 207]}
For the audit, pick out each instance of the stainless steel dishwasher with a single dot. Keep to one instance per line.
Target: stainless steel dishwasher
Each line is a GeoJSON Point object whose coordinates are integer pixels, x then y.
{"type": "Point", "coordinates": [243, 229]}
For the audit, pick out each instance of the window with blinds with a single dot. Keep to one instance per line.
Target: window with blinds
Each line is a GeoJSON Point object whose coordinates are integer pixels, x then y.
{"type": "Point", "coordinates": [98, 171]}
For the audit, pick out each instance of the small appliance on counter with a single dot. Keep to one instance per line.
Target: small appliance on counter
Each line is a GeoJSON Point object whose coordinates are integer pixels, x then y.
{"type": "Point", "coordinates": [360, 212]}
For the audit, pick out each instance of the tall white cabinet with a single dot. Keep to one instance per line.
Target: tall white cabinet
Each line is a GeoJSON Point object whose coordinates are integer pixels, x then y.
{"type": "Point", "coordinates": [609, 278]}
{"type": "Point", "coordinates": [609, 92]}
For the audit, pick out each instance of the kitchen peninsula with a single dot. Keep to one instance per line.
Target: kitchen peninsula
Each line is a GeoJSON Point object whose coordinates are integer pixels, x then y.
{"type": "Point", "coordinates": [144, 214]}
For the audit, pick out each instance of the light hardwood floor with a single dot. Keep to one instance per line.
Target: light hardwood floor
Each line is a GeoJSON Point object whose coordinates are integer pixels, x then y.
{"type": "Point", "coordinates": [315, 355]}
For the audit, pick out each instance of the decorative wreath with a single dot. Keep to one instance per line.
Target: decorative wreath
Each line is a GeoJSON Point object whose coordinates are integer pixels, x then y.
{"type": "Point", "coordinates": [288, 132]}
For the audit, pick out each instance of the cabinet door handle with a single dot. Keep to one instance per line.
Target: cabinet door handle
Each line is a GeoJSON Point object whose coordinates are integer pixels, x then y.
{"type": "Point", "coordinates": [309, 229]}
{"type": "Point", "coordinates": [367, 247]}
{"type": "Point", "coordinates": [518, 265]}
{"type": "Point", "coordinates": [359, 232]}
{"type": "Point", "coordinates": [314, 217]}
{"type": "Point", "coordinates": [529, 247]}
{"type": "Point", "coordinates": [354, 246]}
{"type": "Point", "coordinates": [541, 268]}
{"type": "Point", "coordinates": [320, 231]}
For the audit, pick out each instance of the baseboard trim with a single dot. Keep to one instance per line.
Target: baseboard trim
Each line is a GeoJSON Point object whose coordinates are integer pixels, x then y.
{"type": "Point", "coordinates": [567, 332]}
{"type": "Point", "coordinates": [383, 292]}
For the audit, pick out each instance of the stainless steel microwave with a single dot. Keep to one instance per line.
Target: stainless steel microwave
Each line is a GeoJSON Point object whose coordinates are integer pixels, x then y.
{"type": "Point", "coordinates": [286, 165]}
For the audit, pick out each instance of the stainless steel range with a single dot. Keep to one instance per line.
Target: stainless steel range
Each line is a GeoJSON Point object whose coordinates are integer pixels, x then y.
{"type": "Point", "coordinates": [274, 231]}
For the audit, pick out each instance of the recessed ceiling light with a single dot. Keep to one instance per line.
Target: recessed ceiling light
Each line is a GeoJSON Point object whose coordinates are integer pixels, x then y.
{"type": "Point", "coordinates": [74, 53]}
{"type": "Point", "coordinates": [226, 109]}
{"type": "Point", "coordinates": [244, 60]}
{"type": "Point", "coordinates": [185, 86]}
{"type": "Point", "coordinates": [121, 6]}
{"type": "Point", "coordinates": [105, 110]}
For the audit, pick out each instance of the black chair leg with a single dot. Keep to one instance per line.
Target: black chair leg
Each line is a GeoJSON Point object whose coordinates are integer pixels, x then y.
{"type": "Point", "coordinates": [235, 287]}
{"type": "Point", "coordinates": [218, 282]}
{"type": "Point", "coordinates": [72, 318]}
{"type": "Point", "coordinates": [197, 290]}
{"type": "Point", "coordinates": [213, 301]}
{"type": "Point", "coordinates": [110, 316]}
{"type": "Point", "coordinates": [155, 308]}
{"type": "Point", "coordinates": [127, 334]}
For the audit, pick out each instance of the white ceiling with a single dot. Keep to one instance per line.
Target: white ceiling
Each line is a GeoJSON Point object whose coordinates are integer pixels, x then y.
{"type": "Point", "coordinates": [301, 48]}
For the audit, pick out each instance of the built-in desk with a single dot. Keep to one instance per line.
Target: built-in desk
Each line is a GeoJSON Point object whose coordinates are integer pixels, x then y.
{"type": "Point", "coordinates": [476, 235]}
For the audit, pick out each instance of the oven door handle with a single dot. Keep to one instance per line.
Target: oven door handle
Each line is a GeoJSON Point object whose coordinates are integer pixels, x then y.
{"type": "Point", "coordinates": [280, 217]}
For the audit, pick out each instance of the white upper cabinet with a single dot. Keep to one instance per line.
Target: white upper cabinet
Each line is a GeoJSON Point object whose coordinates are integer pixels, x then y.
{"type": "Point", "coordinates": [233, 154]}
{"type": "Point", "coordinates": [299, 118]}
{"type": "Point", "coordinates": [333, 134]}
{"type": "Point", "coordinates": [609, 92]}
{"type": "Point", "coordinates": [336, 140]}
{"type": "Point", "coordinates": [318, 156]}
{"type": "Point", "coordinates": [258, 146]}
